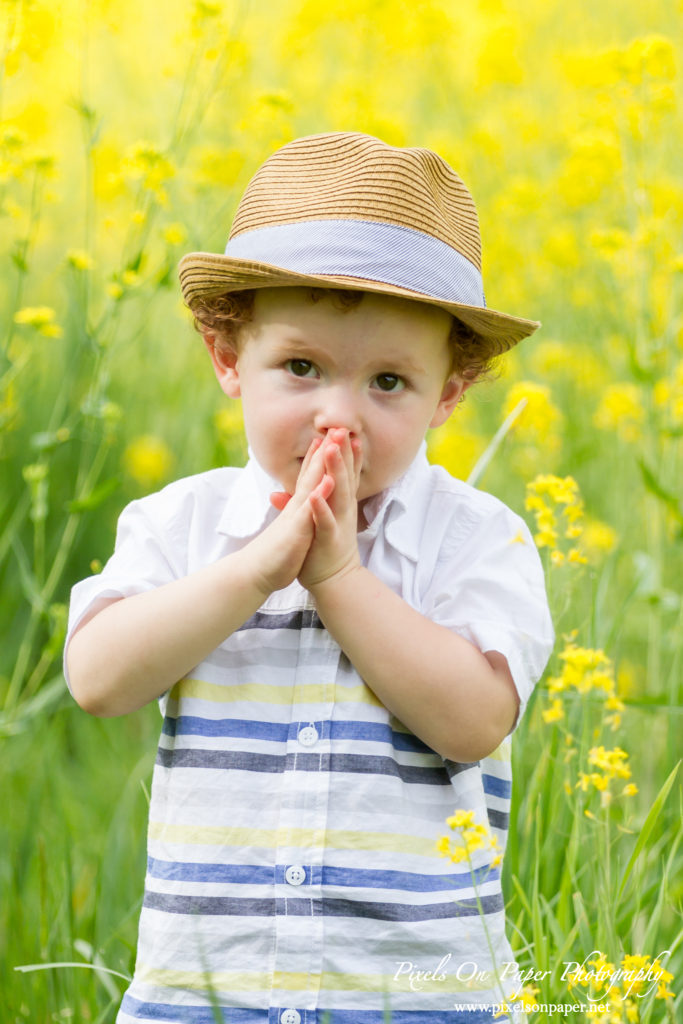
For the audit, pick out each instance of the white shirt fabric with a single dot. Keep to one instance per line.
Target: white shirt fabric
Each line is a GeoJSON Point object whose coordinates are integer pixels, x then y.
{"type": "Point", "coordinates": [293, 873]}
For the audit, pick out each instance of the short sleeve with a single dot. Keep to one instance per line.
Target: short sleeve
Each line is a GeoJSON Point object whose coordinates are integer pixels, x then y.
{"type": "Point", "coordinates": [144, 558]}
{"type": "Point", "coordinates": [490, 589]}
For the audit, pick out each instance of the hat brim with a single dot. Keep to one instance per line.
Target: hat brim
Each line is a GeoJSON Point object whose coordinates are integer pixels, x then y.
{"type": "Point", "coordinates": [203, 274]}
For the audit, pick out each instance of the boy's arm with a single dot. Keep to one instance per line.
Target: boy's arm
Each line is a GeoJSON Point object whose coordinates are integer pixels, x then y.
{"type": "Point", "coordinates": [135, 648]}
{"type": "Point", "coordinates": [460, 702]}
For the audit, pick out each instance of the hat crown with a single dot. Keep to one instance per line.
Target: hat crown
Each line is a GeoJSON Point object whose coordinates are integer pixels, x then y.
{"type": "Point", "coordinates": [350, 176]}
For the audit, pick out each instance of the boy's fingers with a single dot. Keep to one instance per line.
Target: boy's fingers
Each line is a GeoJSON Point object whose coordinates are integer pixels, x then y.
{"type": "Point", "coordinates": [323, 516]}
{"type": "Point", "coordinates": [339, 462]}
{"type": "Point", "coordinates": [312, 449]}
{"type": "Point", "coordinates": [352, 454]}
{"type": "Point", "coordinates": [357, 451]}
{"type": "Point", "coordinates": [312, 469]}
{"type": "Point", "coordinates": [324, 488]}
{"type": "Point", "coordinates": [327, 485]}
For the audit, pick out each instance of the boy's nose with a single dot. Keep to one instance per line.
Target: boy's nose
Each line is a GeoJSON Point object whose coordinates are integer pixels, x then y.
{"type": "Point", "coordinates": [338, 408]}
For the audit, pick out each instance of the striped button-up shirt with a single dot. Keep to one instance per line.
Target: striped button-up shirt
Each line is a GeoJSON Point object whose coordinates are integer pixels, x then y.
{"type": "Point", "coordinates": [294, 874]}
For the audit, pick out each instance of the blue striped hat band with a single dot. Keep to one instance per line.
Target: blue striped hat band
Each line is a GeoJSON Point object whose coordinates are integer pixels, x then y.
{"type": "Point", "coordinates": [347, 210]}
{"type": "Point", "coordinates": [389, 253]}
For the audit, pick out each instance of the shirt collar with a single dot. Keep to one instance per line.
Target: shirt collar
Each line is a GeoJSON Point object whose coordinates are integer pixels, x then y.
{"type": "Point", "coordinates": [399, 508]}
{"type": "Point", "coordinates": [248, 508]}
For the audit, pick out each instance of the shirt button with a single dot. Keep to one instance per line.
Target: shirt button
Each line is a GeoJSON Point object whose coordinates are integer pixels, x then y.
{"type": "Point", "coordinates": [308, 736]}
{"type": "Point", "coordinates": [290, 1017]}
{"type": "Point", "coordinates": [295, 875]}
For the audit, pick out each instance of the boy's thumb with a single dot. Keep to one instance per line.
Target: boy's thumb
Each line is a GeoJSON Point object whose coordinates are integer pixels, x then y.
{"type": "Point", "coordinates": [279, 499]}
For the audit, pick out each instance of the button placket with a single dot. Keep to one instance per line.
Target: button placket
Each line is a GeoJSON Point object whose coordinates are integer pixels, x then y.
{"type": "Point", "coordinates": [303, 817]}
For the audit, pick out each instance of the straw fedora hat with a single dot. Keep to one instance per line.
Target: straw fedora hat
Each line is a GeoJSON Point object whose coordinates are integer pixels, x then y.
{"type": "Point", "coordinates": [346, 210]}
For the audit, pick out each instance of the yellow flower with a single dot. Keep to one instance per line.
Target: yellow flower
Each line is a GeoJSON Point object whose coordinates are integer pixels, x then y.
{"type": "Point", "coordinates": [79, 259]}
{"type": "Point", "coordinates": [562, 492]}
{"type": "Point", "coordinates": [229, 421]}
{"type": "Point", "coordinates": [555, 712]}
{"type": "Point", "coordinates": [584, 669]}
{"type": "Point", "coordinates": [598, 538]}
{"type": "Point", "coordinates": [593, 164]}
{"type": "Point", "coordinates": [461, 819]}
{"type": "Point", "coordinates": [175, 234]}
{"type": "Point", "coordinates": [457, 451]}
{"type": "Point", "coordinates": [539, 419]}
{"type": "Point", "coordinates": [651, 57]}
{"type": "Point", "coordinates": [527, 996]}
{"type": "Point", "coordinates": [612, 762]}
{"type": "Point", "coordinates": [41, 318]}
{"type": "Point", "coordinates": [144, 162]}
{"type": "Point", "coordinates": [11, 208]}
{"type": "Point", "coordinates": [668, 395]}
{"type": "Point", "coordinates": [471, 836]}
{"type": "Point", "coordinates": [621, 410]}
{"type": "Point", "coordinates": [575, 557]}
{"type": "Point", "coordinates": [148, 460]}
{"type": "Point", "coordinates": [498, 61]}
{"type": "Point", "coordinates": [616, 705]}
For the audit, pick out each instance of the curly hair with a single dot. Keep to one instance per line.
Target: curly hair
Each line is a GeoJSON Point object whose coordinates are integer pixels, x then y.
{"type": "Point", "coordinates": [473, 357]}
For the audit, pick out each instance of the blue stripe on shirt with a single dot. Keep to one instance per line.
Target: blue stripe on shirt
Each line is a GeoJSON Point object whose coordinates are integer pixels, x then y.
{"type": "Point", "coordinates": [379, 732]}
{"type": "Point", "coordinates": [260, 874]}
{"type": "Point", "coordinates": [174, 1014]}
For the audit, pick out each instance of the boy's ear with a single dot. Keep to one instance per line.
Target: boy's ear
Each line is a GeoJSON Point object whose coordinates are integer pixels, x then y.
{"type": "Point", "coordinates": [224, 361]}
{"type": "Point", "coordinates": [453, 390]}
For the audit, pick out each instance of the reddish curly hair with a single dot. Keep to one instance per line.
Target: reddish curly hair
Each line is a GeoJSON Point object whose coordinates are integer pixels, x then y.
{"type": "Point", "coordinates": [223, 315]}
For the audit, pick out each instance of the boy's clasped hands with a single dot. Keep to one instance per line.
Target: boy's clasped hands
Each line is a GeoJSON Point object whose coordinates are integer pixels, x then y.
{"type": "Point", "coordinates": [314, 538]}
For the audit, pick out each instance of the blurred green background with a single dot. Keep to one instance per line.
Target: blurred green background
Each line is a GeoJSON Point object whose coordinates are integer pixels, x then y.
{"type": "Point", "coordinates": [127, 134]}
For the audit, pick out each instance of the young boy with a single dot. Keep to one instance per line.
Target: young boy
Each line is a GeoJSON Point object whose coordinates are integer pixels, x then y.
{"type": "Point", "coordinates": [342, 637]}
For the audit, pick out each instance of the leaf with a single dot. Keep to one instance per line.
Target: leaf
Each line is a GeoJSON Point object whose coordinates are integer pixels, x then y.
{"type": "Point", "coordinates": [96, 496]}
{"type": "Point", "coordinates": [653, 485]}
{"type": "Point", "coordinates": [45, 702]}
{"type": "Point", "coordinates": [648, 825]}
{"type": "Point", "coordinates": [48, 440]}
{"type": "Point", "coordinates": [19, 259]}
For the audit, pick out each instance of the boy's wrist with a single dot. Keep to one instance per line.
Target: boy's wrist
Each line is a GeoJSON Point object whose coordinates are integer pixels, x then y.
{"type": "Point", "coordinates": [346, 575]}
{"type": "Point", "coordinates": [252, 568]}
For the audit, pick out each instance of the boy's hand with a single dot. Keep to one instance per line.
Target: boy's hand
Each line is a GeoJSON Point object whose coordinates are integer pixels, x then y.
{"type": "Point", "coordinates": [334, 507]}
{"type": "Point", "coordinates": [279, 551]}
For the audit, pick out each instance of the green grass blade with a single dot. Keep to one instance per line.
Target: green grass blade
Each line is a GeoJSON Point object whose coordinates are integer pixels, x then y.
{"type": "Point", "coordinates": [494, 444]}
{"type": "Point", "coordinates": [27, 968]}
{"type": "Point", "coordinates": [648, 825]}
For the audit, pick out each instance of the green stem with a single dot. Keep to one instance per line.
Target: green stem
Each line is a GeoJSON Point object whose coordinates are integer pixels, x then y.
{"type": "Point", "coordinates": [52, 581]}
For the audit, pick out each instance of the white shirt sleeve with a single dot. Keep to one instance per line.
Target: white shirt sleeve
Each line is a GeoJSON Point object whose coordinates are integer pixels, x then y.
{"type": "Point", "coordinates": [490, 589]}
{"type": "Point", "coordinates": [144, 558]}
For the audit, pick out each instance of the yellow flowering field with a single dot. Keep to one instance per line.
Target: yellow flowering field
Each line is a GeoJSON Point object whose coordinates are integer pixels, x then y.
{"type": "Point", "coordinates": [127, 134]}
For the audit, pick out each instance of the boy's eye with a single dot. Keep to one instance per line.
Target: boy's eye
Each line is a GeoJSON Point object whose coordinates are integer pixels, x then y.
{"type": "Point", "coordinates": [301, 367]}
{"type": "Point", "coordinates": [389, 382]}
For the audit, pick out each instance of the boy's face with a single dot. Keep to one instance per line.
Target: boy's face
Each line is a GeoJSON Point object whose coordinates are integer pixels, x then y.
{"type": "Point", "coordinates": [379, 370]}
